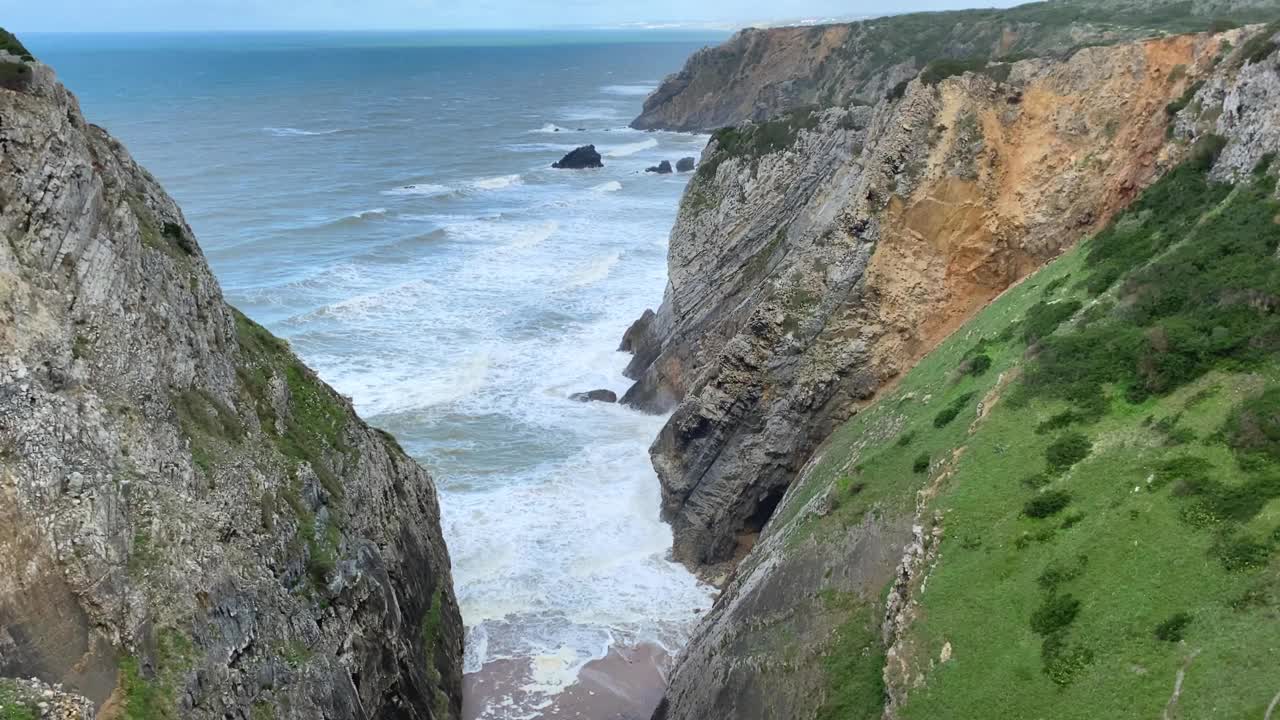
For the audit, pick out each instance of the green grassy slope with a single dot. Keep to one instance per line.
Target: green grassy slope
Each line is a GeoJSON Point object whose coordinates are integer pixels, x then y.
{"type": "Point", "coordinates": [1112, 516]}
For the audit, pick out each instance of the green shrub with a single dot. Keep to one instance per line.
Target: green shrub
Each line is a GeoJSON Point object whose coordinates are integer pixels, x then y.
{"type": "Point", "coordinates": [1173, 629]}
{"type": "Point", "coordinates": [1176, 106]}
{"type": "Point", "coordinates": [1254, 426]}
{"type": "Point", "coordinates": [1260, 46]}
{"type": "Point", "coordinates": [950, 412]}
{"type": "Point", "coordinates": [1055, 285]}
{"type": "Point", "coordinates": [1187, 469]}
{"type": "Point", "coordinates": [1066, 451]}
{"type": "Point", "coordinates": [10, 43]}
{"type": "Point", "coordinates": [1062, 420]}
{"type": "Point", "coordinates": [1047, 504]}
{"type": "Point", "coordinates": [979, 365]}
{"type": "Point", "coordinates": [1055, 614]}
{"type": "Point", "coordinates": [921, 464]}
{"type": "Point", "coordinates": [1238, 552]}
{"type": "Point", "coordinates": [905, 438]}
{"type": "Point", "coordinates": [1045, 317]}
{"type": "Point", "coordinates": [1058, 573]}
{"type": "Point", "coordinates": [939, 70]}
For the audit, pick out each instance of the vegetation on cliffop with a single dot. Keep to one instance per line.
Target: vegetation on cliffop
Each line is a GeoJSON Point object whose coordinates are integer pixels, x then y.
{"type": "Point", "coordinates": [11, 44]}
{"type": "Point", "coordinates": [754, 141]}
{"type": "Point", "coordinates": [152, 693]}
{"type": "Point", "coordinates": [15, 703]}
{"type": "Point", "coordinates": [1120, 500]}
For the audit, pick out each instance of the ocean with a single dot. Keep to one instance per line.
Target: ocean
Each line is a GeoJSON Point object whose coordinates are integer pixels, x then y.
{"type": "Point", "coordinates": [385, 202]}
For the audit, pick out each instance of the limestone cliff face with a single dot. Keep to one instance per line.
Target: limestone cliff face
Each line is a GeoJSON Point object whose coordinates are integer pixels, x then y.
{"type": "Point", "coordinates": [192, 524]}
{"type": "Point", "coordinates": [1006, 175]}
{"type": "Point", "coordinates": [818, 256]}
{"type": "Point", "coordinates": [758, 74]}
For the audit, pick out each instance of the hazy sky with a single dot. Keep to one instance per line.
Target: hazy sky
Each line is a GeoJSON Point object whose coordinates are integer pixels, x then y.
{"type": "Point", "coordinates": [116, 15]}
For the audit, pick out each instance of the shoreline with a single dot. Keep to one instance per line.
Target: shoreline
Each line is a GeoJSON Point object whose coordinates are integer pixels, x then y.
{"type": "Point", "coordinates": [626, 684]}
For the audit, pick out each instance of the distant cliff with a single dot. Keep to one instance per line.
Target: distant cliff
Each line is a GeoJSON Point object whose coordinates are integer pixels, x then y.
{"type": "Point", "coordinates": [758, 74]}
{"type": "Point", "coordinates": [1056, 494]}
{"type": "Point", "coordinates": [192, 524]}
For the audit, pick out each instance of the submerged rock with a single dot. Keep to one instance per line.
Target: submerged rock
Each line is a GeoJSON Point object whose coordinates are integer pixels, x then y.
{"type": "Point", "coordinates": [662, 168]}
{"type": "Point", "coordinates": [580, 159]}
{"type": "Point", "coordinates": [686, 164]}
{"type": "Point", "coordinates": [606, 396]}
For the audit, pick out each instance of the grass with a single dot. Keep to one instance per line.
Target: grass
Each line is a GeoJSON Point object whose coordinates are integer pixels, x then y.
{"type": "Point", "coordinates": [854, 665]}
{"type": "Point", "coordinates": [314, 425]}
{"type": "Point", "coordinates": [753, 141]}
{"type": "Point", "coordinates": [15, 703]}
{"type": "Point", "coordinates": [152, 693]}
{"type": "Point", "coordinates": [1149, 527]}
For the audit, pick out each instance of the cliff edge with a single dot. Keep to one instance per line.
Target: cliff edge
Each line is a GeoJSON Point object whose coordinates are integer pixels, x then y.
{"type": "Point", "coordinates": [1067, 507]}
{"type": "Point", "coordinates": [192, 524]}
{"type": "Point", "coordinates": [818, 256]}
{"type": "Point", "coordinates": [760, 73]}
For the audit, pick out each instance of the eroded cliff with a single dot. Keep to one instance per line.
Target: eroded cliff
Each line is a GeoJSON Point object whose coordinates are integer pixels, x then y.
{"type": "Point", "coordinates": [1067, 508]}
{"type": "Point", "coordinates": [818, 256]}
{"type": "Point", "coordinates": [192, 524]}
{"type": "Point", "coordinates": [759, 74]}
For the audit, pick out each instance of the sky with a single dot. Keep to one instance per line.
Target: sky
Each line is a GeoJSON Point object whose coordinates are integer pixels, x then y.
{"type": "Point", "coordinates": [209, 15]}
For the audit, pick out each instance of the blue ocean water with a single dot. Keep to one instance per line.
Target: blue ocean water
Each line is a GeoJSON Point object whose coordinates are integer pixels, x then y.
{"type": "Point", "coordinates": [385, 202]}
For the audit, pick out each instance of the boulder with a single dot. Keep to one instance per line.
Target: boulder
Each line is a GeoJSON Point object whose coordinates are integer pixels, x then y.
{"type": "Point", "coordinates": [686, 164]}
{"type": "Point", "coordinates": [662, 168]}
{"type": "Point", "coordinates": [580, 159]}
{"type": "Point", "coordinates": [607, 396]}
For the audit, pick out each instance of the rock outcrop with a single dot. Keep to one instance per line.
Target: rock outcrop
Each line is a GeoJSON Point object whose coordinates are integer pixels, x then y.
{"type": "Point", "coordinates": [192, 524]}
{"type": "Point", "coordinates": [827, 615]}
{"type": "Point", "coordinates": [818, 256]}
{"type": "Point", "coordinates": [583, 158]}
{"type": "Point", "coordinates": [686, 164]}
{"type": "Point", "coordinates": [37, 700]}
{"type": "Point", "coordinates": [662, 168]}
{"type": "Point", "coordinates": [760, 73]}
{"type": "Point", "coordinates": [604, 396]}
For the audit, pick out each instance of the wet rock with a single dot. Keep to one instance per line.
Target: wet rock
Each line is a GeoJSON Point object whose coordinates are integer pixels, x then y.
{"type": "Point", "coordinates": [605, 396]}
{"type": "Point", "coordinates": [686, 164]}
{"type": "Point", "coordinates": [582, 158]}
{"type": "Point", "coordinates": [662, 168]}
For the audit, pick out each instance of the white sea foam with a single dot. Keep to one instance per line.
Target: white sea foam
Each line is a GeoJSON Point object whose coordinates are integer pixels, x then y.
{"type": "Point", "coordinates": [595, 270]}
{"type": "Point", "coordinates": [497, 183]}
{"type": "Point", "coordinates": [421, 189]}
{"type": "Point", "coordinates": [535, 235]}
{"type": "Point", "coordinates": [628, 90]}
{"type": "Point", "coordinates": [611, 186]}
{"type": "Point", "coordinates": [617, 151]}
{"type": "Point", "coordinates": [540, 147]}
{"type": "Point", "coordinates": [590, 112]}
{"type": "Point", "coordinates": [551, 128]}
{"type": "Point", "coordinates": [298, 132]}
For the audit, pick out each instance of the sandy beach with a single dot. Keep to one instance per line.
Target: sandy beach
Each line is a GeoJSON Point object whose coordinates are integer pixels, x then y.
{"type": "Point", "coordinates": [627, 684]}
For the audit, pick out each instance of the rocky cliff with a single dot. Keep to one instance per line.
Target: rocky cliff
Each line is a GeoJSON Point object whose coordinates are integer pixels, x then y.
{"type": "Point", "coordinates": [818, 256]}
{"type": "Point", "coordinates": [759, 74]}
{"type": "Point", "coordinates": [192, 524]}
{"type": "Point", "coordinates": [1066, 508]}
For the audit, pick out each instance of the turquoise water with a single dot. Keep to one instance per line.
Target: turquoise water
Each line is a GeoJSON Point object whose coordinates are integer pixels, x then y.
{"type": "Point", "coordinates": [385, 202]}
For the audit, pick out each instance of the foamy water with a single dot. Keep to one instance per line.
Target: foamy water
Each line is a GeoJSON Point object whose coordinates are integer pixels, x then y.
{"type": "Point", "coordinates": [392, 213]}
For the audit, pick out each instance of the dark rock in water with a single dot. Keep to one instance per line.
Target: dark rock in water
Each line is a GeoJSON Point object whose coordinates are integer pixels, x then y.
{"type": "Point", "coordinates": [686, 164]}
{"type": "Point", "coordinates": [606, 396]}
{"type": "Point", "coordinates": [556, 130]}
{"type": "Point", "coordinates": [582, 129]}
{"type": "Point", "coordinates": [580, 159]}
{"type": "Point", "coordinates": [662, 168]}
